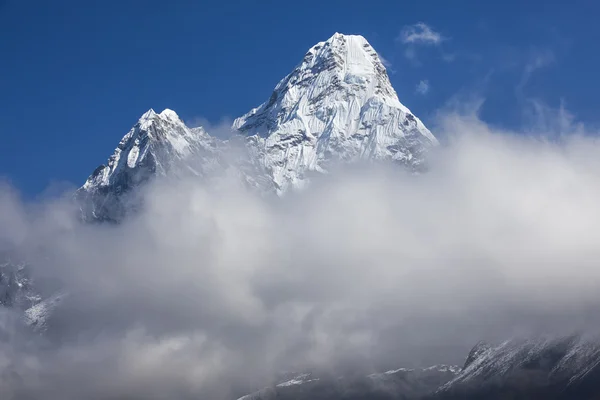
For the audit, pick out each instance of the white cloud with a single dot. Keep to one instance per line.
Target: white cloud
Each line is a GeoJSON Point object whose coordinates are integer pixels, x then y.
{"type": "Point", "coordinates": [411, 54]}
{"type": "Point", "coordinates": [537, 59]}
{"type": "Point", "coordinates": [448, 57]}
{"type": "Point", "coordinates": [221, 129]}
{"type": "Point", "coordinates": [384, 61]}
{"type": "Point", "coordinates": [211, 288]}
{"type": "Point", "coordinates": [422, 87]}
{"type": "Point", "coordinates": [541, 117]}
{"type": "Point", "coordinates": [420, 33]}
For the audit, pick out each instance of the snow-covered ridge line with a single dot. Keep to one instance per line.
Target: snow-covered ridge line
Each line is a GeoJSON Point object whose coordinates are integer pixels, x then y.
{"type": "Point", "coordinates": [298, 380]}
{"type": "Point", "coordinates": [376, 379]}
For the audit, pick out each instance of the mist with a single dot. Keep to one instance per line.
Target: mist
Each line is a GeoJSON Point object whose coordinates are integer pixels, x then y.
{"type": "Point", "coordinates": [212, 289]}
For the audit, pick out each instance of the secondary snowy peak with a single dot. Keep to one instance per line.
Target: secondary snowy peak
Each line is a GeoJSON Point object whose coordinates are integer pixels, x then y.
{"type": "Point", "coordinates": [155, 142]}
{"type": "Point", "coordinates": [157, 145]}
{"type": "Point", "coordinates": [338, 103]}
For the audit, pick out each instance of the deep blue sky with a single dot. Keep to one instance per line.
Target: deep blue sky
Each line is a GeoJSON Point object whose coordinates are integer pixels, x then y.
{"type": "Point", "coordinates": [76, 75]}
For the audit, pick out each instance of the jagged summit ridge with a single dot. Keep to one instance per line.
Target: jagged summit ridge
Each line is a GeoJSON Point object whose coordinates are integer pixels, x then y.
{"type": "Point", "coordinates": [337, 104]}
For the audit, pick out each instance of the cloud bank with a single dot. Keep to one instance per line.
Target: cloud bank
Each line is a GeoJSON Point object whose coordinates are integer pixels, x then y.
{"type": "Point", "coordinates": [212, 289]}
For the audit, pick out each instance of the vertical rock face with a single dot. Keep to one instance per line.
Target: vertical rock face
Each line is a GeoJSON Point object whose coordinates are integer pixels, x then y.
{"type": "Point", "coordinates": [337, 104]}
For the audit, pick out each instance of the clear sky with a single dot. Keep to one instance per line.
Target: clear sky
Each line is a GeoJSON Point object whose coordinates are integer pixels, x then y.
{"type": "Point", "coordinates": [76, 75]}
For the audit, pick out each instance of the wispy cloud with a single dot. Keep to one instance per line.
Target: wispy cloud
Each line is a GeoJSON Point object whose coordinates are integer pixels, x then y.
{"type": "Point", "coordinates": [221, 129]}
{"type": "Point", "coordinates": [448, 57]}
{"type": "Point", "coordinates": [537, 113]}
{"type": "Point", "coordinates": [422, 87]}
{"type": "Point", "coordinates": [384, 60]}
{"type": "Point", "coordinates": [411, 55]}
{"type": "Point", "coordinates": [386, 63]}
{"type": "Point", "coordinates": [537, 59]}
{"type": "Point", "coordinates": [420, 33]}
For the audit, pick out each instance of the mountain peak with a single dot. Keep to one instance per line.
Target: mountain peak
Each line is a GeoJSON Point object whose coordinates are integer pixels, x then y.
{"type": "Point", "coordinates": [338, 103]}
{"type": "Point", "coordinates": [345, 42]}
{"type": "Point", "coordinates": [147, 116]}
{"type": "Point", "coordinates": [342, 37]}
{"type": "Point", "coordinates": [349, 57]}
{"type": "Point", "coordinates": [169, 114]}
{"type": "Point", "coordinates": [150, 116]}
{"type": "Point", "coordinates": [157, 144]}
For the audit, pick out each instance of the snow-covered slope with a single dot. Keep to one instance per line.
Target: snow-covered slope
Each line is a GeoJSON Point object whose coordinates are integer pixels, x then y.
{"type": "Point", "coordinates": [16, 286]}
{"type": "Point", "coordinates": [337, 104]}
{"type": "Point", "coordinates": [38, 315]}
{"type": "Point", "coordinates": [157, 145]}
{"type": "Point", "coordinates": [566, 367]}
{"type": "Point", "coordinates": [401, 383]}
{"type": "Point", "coordinates": [18, 292]}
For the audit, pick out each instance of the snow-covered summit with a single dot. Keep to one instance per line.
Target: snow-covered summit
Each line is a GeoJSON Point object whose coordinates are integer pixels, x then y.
{"type": "Point", "coordinates": [157, 145]}
{"type": "Point", "coordinates": [337, 104]}
{"type": "Point", "coordinates": [156, 141]}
